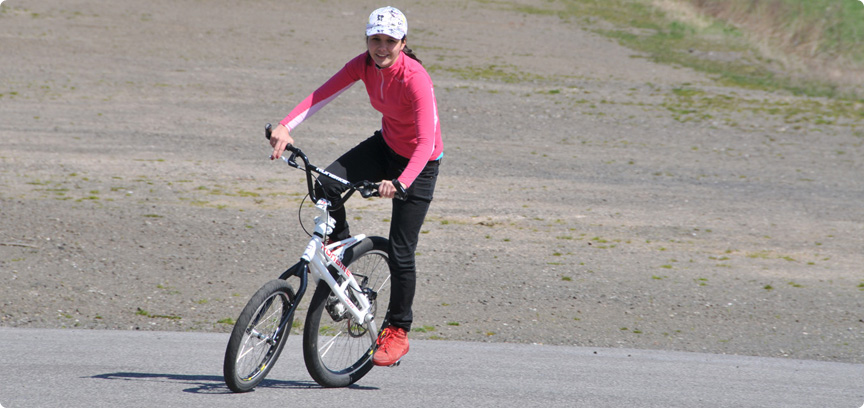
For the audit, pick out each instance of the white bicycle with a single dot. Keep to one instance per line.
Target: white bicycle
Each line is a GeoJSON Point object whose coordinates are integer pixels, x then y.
{"type": "Point", "coordinates": [344, 318]}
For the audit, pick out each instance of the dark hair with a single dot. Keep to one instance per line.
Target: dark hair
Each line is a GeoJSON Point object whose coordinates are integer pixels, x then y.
{"type": "Point", "coordinates": [409, 52]}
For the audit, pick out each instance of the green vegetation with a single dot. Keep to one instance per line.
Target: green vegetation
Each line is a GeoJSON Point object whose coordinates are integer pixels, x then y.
{"type": "Point", "coordinates": [808, 47]}
{"type": "Point", "coordinates": [502, 73]}
{"type": "Point", "coordinates": [142, 312]}
{"type": "Point", "coordinates": [822, 30]}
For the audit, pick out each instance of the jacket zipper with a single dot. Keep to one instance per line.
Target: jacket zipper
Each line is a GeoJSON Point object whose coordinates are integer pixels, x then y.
{"type": "Point", "coordinates": [381, 90]}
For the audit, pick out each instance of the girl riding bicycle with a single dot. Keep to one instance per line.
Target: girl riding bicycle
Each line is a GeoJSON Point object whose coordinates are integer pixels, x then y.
{"type": "Point", "coordinates": [404, 154]}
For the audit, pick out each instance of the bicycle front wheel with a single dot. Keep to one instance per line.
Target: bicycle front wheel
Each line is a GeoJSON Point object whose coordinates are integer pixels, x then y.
{"type": "Point", "coordinates": [337, 350]}
{"type": "Point", "coordinates": [258, 336]}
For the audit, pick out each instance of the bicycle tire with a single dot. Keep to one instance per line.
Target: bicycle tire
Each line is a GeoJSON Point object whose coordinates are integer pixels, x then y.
{"type": "Point", "coordinates": [338, 353]}
{"type": "Point", "coordinates": [255, 342]}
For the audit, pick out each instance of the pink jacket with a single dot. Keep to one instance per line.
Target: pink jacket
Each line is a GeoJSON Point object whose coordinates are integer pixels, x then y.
{"type": "Point", "coordinates": [403, 93]}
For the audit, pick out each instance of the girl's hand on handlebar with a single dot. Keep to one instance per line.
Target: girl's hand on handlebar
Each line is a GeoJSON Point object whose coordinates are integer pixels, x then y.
{"type": "Point", "coordinates": [279, 139]}
{"type": "Point", "coordinates": [386, 189]}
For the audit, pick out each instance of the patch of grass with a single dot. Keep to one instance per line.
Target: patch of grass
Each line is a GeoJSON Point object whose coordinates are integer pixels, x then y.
{"type": "Point", "coordinates": [142, 312]}
{"type": "Point", "coordinates": [687, 104]}
{"type": "Point", "coordinates": [759, 255]}
{"type": "Point", "coordinates": [492, 72]}
{"type": "Point", "coordinates": [727, 39]}
{"type": "Point", "coordinates": [423, 329]}
{"type": "Point", "coordinates": [229, 321]}
{"type": "Point", "coordinates": [168, 289]}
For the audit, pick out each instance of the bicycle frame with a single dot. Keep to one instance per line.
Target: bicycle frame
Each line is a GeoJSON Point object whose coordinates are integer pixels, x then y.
{"type": "Point", "coordinates": [315, 261]}
{"type": "Point", "coordinates": [317, 258]}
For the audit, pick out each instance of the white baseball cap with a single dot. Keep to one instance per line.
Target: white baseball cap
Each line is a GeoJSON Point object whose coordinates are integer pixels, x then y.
{"type": "Point", "coordinates": [387, 20]}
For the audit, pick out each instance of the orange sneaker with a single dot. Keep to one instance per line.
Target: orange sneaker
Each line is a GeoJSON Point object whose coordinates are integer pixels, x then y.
{"type": "Point", "coordinates": [392, 345]}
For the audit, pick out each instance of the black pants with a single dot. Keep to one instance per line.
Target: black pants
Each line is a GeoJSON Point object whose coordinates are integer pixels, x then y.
{"type": "Point", "coordinates": [373, 160]}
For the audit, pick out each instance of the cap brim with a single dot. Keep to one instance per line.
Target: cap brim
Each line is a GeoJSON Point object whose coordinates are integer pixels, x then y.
{"type": "Point", "coordinates": [372, 31]}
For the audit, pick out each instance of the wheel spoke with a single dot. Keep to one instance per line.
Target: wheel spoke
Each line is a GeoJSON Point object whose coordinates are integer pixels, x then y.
{"type": "Point", "coordinates": [324, 348]}
{"type": "Point", "coordinates": [341, 349]}
{"type": "Point", "coordinates": [255, 341]}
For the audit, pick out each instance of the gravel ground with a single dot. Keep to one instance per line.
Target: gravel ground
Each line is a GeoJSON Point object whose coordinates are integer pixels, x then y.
{"type": "Point", "coordinates": [588, 196]}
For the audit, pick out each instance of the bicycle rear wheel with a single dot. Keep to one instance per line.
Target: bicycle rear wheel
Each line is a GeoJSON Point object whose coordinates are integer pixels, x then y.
{"type": "Point", "coordinates": [257, 338]}
{"type": "Point", "coordinates": [337, 351]}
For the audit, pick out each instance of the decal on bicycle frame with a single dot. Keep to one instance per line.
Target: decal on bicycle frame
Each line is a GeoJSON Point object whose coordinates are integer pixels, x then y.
{"type": "Point", "coordinates": [335, 177]}
{"type": "Point", "coordinates": [337, 261]}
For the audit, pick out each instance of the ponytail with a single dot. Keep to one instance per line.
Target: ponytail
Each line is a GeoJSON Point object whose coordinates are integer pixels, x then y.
{"type": "Point", "coordinates": [409, 52]}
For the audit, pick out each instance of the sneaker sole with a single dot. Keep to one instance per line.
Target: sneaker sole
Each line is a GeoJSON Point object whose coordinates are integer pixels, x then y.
{"type": "Point", "coordinates": [396, 364]}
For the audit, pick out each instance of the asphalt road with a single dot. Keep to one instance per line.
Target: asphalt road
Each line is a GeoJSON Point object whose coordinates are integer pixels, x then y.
{"type": "Point", "coordinates": [96, 368]}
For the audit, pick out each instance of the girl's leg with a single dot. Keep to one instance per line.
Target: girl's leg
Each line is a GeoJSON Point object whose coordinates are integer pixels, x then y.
{"type": "Point", "coordinates": [366, 161]}
{"type": "Point", "coordinates": [407, 219]}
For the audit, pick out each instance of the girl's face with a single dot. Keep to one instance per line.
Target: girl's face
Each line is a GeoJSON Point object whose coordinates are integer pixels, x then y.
{"type": "Point", "coordinates": [384, 49]}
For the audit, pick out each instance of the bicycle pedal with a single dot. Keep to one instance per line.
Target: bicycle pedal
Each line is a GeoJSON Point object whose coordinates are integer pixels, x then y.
{"type": "Point", "coordinates": [396, 364]}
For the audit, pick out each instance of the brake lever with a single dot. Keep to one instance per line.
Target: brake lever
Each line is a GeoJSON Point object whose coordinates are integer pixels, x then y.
{"type": "Point", "coordinates": [368, 190]}
{"type": "Point", "coordinates": [291, 160]}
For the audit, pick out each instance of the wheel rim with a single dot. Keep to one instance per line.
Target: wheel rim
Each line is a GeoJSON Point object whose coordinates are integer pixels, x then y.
{"type": "Point", "coordinates": [260, 338]}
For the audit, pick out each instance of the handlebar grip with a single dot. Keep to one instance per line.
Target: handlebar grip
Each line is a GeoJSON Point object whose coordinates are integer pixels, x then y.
{"type": "Point", "coordinates": [401, 194]}
{"type": "Point", "coordinates": [268, 132]}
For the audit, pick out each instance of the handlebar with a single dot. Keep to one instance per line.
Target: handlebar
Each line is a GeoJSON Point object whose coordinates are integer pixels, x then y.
{"type": "Point", "coordinates": [366, 188]}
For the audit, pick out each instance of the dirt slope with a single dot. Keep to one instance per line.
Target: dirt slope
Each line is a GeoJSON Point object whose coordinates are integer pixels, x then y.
{"type": "Point", "coordinates": [587, 197]}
